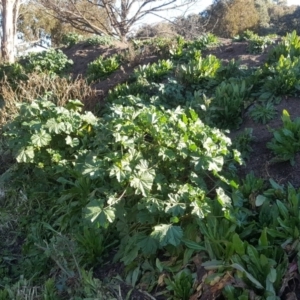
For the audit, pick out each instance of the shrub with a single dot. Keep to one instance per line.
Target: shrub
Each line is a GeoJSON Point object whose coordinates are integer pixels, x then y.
{"type": "Point", "coordinates": [289, 47]}
{"type": "Point", "coordinates": [155, 71]}
{"type": "Point", "coordinates": [99, 40]}
{"type": "Point", "coordinates": [102, 67]}
{"type": "Point", "coordinates": [13, 73]}
{"type": "Point", "coordinates": [285, 143]}
{"type": "Point", "coordinates": [51, 62]}
{"type": "Point", "coordinates": [71, 39]}
{"type": "Point", "coordinates": [198, 71]}
{"type": "Point", "coordinates": [227, 104]}
{"type": "Point", "coordinates": [282, 77]}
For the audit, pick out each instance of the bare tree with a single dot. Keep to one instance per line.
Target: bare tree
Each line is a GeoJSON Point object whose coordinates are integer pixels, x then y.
{"type": "Point", "coordinates": [9, 12]}
{"type": "Point", "coordinates": [120, 15]}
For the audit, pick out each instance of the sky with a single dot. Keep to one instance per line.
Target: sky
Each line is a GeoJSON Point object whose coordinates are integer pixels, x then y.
{"type": "Point", "coordinates": [195, 8]}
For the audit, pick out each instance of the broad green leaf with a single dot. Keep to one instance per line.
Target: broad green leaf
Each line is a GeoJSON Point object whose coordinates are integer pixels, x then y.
{"type": "Point", "coordinates": [282, 210]}
{"type": "Point", "coordinates": [254, 257]}
{"type": "Point", "coordinates": [198, 209]}
{"type": "Point", "coordinates": [131, 255]}
{"type": "Point", "coordinates": [260, 199]}
{"type": "Point", "coordinates": [143, 179]}
{"type": "Point", "coordinates": [75, 105]}
{"type": "Point", "coordinates": [193, 245]}
{"type": "Point", "coordinates": [25, 155]}
{"type": "Point", "coordinates": [94, 209]}
{"type": "Point", "coordinates": [110, 214]}
{"type": "Point", "coordinates": [148, 244]}
{"type": "Point", "coordinates": [174, 220]}
{"type": "Point", "coordinates": [144, 217]}
{"type": "Point", "coordinates": [213, 264]}
{"type": "Point", "coordinates": [89, 118]}
{"type": "Point", "coordinates": [223, 199]}
{"type": "Point", "coordinates": [264, 261]}
{"type": "Point", "coordinates": [159, 265]}
{"type": "Point", "coordinates": [248, 275]}
{"type": "Point", "coordinates": [121, 170]}
{"type": "Point", "coordinates": [238, 244]}
{"type": "Point", "coordinates": [93, 167]}
{"type": "Point", "coordinates": [152, 204]}
{"type": "Point", "coordinates": [72, 142]}
{"type": "Point", "coordinates": [263, 240]}
{"type": "Point", "coordinates": [168, 234]}
{"type": "Point", "coordinates": [54, 126]}
{"type": "Point", "coordinates": [215, 164]}
{"type": "Point", "coordinates": [135, 275]}
{"type": "Point", "coordinates": [175, 209]}
{"type": "Point", "coordinates": [41, 139]}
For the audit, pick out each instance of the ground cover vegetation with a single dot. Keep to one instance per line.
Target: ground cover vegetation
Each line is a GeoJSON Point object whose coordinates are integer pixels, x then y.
{"type": "Point", "coordinates": [146, 189]}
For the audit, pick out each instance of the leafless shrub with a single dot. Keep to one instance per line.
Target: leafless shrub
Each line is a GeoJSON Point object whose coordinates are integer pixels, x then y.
{"type": "Point", "coordinates": [37, 85]}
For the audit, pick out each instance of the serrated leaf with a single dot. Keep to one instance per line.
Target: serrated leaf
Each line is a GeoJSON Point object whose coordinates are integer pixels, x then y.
{"type": "Point", "coordinates": [110, 214]}
{"type": "Point", "coordinates": [72, 142]}
{"type": "Point", "coordinates": [168, 234]}
{"type": "Point", "coordinates": [175, 209]}
{"type": "Point", "coordinates": [41, 139]}
{"type": "Point", "coordinates": [121, 170]}
{"type": "Point", "coordinates": [54, 126]}
{"type": "Point", "coordinates": [94, 209]}
{"type": "Point", "coordinates": [143, 179]}
{"type": "Point", "coordinates": [152, 204]}
{"type": "Point", "coordinates": [223, 199]}
{"type": "Point", "coordinates": [89, 118]}
{"type": "Point", "coordinates": [148, 244]}
{"type": "Point", "coordinates": [25, 155]}
{"type": "Point", "coordinates": [131, 255]}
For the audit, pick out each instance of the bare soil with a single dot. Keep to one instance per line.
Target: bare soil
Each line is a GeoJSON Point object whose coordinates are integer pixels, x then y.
{"type": "Point", "coordinates": [260, 157]}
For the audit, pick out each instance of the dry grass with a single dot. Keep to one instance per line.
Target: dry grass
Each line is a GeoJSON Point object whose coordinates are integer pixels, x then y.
{"type": "Point", "coordinates": [61, 89]}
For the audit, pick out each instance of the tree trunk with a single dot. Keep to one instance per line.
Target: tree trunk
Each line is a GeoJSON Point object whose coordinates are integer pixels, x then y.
{"type": "Point", "coordinates": [8, 31]}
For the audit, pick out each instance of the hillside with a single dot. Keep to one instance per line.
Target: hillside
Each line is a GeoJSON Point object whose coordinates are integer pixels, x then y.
{"type": "Point", "coordinates": [162, 169]}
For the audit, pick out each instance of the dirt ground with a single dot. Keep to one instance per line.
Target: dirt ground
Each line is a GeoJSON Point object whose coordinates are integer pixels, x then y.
{"type": "Point", "coordinates": [260, 157]}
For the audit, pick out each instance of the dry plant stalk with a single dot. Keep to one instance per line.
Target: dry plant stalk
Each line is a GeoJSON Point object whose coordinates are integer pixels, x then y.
{"type": "Point", "coordinates": [37, 85]}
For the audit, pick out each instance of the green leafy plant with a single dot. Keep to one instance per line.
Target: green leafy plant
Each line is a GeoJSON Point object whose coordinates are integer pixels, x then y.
{"type": "Point", "coordinates": [44, 134]}
{"type": "Point", "coordinates": [51, 62]}
{"type": "Point", "coordinates": [263, 113]}
{"type": "Point", "coordinates": [289, 47]}
{"type": "Point", "coordinates": [227, 105]}
{"type": "Point", "coordinates": [204, 41]}
{"type": "Point", "coordinates": [282, 77]}
{"type": "Point", "coordinates": [155, 71]}
{"type": "Point", "coordinates": [257, 44]}
{"type": "Point", "coordinates": [102, 67]}
{"type": "Point", "coordinates": [71, 39]}
{"type": "Point", "coordinates": [13, 73]}
{"type": "Point", "coordinates": [181, 285]}
{"type": "Point", "coordinates": [286, 141]}
{"type": "Point", "coordinates": [98, 40]}
{"type": "Point", "coordinates": [198, 71]}
{"type": "Point", "coordinates": [242, 142]}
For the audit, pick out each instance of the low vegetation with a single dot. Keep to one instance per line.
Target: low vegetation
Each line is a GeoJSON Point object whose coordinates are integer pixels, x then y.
{"type": "Point", "coordinates": [150, 181]}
